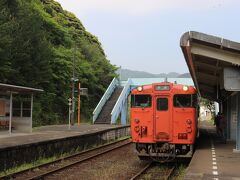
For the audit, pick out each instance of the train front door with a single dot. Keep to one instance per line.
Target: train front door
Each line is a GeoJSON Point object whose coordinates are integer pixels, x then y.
{"type": "Point", "coordinates": [161, 119]}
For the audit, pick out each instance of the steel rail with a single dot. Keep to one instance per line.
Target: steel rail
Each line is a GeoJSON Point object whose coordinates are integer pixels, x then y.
{"type": "Point", "coordinates": [42, 175]}
{"type": "Point", "coordinates": [142, 171]}
{"type": "Point", "coordinates": [13, 175]}
{"type": "Point", "coordinates": [170, 173]}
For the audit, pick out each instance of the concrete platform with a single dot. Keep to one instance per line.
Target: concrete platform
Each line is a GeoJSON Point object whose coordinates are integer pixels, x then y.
{"type": "Point", "coordinates": [46, 133]}
{"type": "Point", "coordinates": [213, 159]}
{"type": "Point", "coordinates": [48, 141]}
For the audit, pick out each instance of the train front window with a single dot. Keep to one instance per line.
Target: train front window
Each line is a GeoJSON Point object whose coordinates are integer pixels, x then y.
{"type": "Point", "coordinates": [183, 100]}
{"type": "Point", "coordinates": [162, 104]}
{"type": "Point", "coordinates": [194, 100]}
{"type": "Point", "coordinates": [141, 101]}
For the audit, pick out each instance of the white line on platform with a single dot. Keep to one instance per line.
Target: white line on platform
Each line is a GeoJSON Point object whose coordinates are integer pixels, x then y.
{"type": "Point", "coordinates": [214, 167]}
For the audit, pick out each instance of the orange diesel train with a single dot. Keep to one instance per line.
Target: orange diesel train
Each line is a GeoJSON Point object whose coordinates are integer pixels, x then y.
{"type": "Point", "coordinates": [164, 120]}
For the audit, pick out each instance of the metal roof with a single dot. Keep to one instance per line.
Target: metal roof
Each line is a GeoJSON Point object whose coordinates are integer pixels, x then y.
{"type": "Point", "coordinates": [206, 57]}
{"type": "Point", "coordinates": [17, 89]}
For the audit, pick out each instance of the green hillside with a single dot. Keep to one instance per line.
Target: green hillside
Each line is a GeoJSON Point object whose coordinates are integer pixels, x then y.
{"type": "Point", "coordinates": [38, 41]}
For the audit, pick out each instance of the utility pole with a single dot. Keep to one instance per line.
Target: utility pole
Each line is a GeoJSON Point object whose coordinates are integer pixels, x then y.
{"type": "Point", "coordinates": [73, 88]}
{"type": "Point", "coordinates": [69, 112]}
{"type": "Point", "coordinates": [79, 101]}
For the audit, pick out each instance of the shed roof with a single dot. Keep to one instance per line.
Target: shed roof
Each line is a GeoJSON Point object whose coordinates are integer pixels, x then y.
{"type": "Point", "coordinates": [18, 89]}
{"type": "Point", "coordinates": [206, 57]}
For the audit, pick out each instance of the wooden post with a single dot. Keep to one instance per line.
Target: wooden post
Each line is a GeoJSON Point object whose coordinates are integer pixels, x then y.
{"type": "Point", "coordinates": [31, 112]}
{"type": "Point", "coordinates": [79, 87]}
{"type": "Point", "coordinates": [11, 113]}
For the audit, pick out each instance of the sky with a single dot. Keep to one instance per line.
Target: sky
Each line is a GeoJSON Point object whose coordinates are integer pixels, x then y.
{"type": "Point", "coordinates": [144, 35]}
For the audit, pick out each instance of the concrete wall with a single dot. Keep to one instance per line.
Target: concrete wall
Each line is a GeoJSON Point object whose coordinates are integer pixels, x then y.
{"type": "Point", "coordinates": [22, 124]}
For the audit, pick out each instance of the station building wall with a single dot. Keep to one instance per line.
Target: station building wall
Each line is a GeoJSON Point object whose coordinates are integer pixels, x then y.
{"type": "Point", "coordinates": [231, 111]}
{"type": "Point", "coordinates": [4, 107]}
{"type": "Point", "coordinates": [233, 120]}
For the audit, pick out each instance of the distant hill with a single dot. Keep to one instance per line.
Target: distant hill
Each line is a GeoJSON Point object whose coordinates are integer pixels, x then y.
{"type": "Point", "coordinates": [185, 75]}
{"type": "Point", "coordinates": [126, 73]}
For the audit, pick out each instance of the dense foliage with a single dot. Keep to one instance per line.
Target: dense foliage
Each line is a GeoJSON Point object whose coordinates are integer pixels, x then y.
{"type": "Point", "coordinates": [38, 41]}
{"type": "Point", "coordinates": [208, 104]}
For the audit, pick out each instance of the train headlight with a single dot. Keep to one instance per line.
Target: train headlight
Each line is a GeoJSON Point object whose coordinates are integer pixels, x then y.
{"type": "Point", "coordinates": [185, 88]}
{"type": "Point", "coordinates": [139, 88]}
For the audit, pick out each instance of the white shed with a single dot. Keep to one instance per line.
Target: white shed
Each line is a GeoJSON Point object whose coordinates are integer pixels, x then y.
{"type": "Point", "coordinates": [16, 105]}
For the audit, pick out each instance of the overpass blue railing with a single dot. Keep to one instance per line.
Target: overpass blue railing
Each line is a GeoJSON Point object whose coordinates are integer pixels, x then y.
{"type": "Point", "coordinates": [121, 102]}
{"type": "Point", "coordinates": [105, 97]}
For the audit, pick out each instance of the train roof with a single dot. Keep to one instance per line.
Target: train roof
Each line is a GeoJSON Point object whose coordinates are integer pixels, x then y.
{"type": "Point", "coordinates": [154, 87]}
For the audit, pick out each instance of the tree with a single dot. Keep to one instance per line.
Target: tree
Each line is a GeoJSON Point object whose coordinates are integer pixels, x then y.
{"type": "Point", "coordinates": [208, 104]}
{"type": "Point", "coordinates": [37, 42]}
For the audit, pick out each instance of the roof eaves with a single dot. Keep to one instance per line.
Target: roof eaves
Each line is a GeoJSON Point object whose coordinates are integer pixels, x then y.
{"type": "Point", "coordinates": [10, 87]}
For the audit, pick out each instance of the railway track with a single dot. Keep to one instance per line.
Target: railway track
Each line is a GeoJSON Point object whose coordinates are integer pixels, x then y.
{"type": "Point", "coordinates": [165, 174]}
{"type": "Point", "coordinates": [41, 171]}
{"type": "Point", "coordinates": [170, 173]}
{"type": "Point", "coordinates": [143, 170]}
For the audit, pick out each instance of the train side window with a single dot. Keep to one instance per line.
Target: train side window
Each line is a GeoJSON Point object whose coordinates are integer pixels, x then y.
{"type": "Point", "coordinates": [141, 100]}
{"type": "Point", "coordinates": [162, 104]}
{"type": "Point", "coordinates": [182, 100]}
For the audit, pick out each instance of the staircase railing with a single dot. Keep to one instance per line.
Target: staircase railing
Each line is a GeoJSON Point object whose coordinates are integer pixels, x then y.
{"type": "Point", "coordinates": [104, 98]}
{"type": "Point", "coordinates": [121, 101]}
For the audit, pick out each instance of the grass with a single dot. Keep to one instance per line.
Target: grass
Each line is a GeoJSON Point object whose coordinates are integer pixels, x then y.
{"type": "Point", "coordinates": [181, 170]}
{"type": "Point", "coordinates": [160, 171]}
{"type": "Point", "coordinates": [42, 161]}
{"type": "Point", "coordinates": [29, 165]}
{"type": "Point", "coordinates": [36, 128]}
{"type": "Point", "coordinates": [122, 138]}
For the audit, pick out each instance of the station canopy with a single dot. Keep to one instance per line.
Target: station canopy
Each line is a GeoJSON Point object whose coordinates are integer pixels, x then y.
{"type": "Point", "coordinates": [213, 63]}
{"type": "Point", "coordinates": [7, 88]}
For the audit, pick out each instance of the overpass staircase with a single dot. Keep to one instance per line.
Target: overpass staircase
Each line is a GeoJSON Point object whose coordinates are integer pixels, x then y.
{"type": "Point", "coordinates": [104, 116]}
{"type": "Point", "coordinates": [113, 103]}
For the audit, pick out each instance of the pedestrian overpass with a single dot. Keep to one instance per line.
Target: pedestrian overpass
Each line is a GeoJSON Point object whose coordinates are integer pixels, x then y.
{"type": "Point", "coordinates": [113, 106]}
